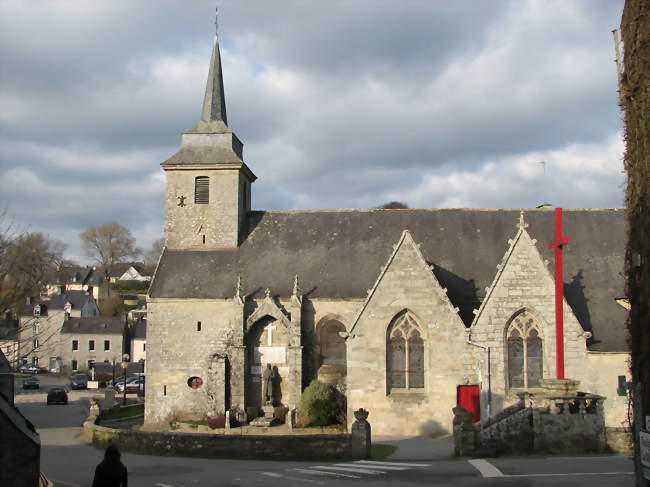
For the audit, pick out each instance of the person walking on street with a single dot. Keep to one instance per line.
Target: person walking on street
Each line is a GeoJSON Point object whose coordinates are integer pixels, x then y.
{"type": "Point", "coordinates": [110, 472]}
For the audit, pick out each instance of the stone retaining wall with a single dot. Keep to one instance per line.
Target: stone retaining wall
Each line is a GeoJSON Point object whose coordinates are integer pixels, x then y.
{"type": "Point", "coordinates": [619, 440]}
{"type": "Point", "coordinates": [273, 447]}
{"type": "Point", "coordinates": [543, 424]}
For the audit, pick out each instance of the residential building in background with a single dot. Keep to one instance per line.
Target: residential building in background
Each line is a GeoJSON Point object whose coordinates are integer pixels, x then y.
{"type": "Point", "coordinates": [86, 341]}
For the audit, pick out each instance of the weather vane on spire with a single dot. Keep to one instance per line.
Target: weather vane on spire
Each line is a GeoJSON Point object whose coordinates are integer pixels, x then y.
{"type": "Point", "coordinates": [216, 21]}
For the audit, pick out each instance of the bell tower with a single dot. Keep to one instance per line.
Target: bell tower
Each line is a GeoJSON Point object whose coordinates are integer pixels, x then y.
{"type": "Point", "coordinates": [208, 183]}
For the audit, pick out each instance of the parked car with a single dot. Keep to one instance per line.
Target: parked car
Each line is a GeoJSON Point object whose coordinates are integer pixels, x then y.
{"type": "Point", "coordinates": [31, 383]}
{"type": "Point", "coordinates": [29, 369]}
{"type": "Point", "coordinates": [133, 385]}
{"type": "Point", "coordinates": [114, 382]}
{"type": "Point", "coordinates": [57, 395]}
{"type": "Point", "coordinates": [79, 381]}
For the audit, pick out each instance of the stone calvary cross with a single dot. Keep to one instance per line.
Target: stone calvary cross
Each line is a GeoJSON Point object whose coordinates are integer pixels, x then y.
{"type": "Point", "coordinates": [558, 244]}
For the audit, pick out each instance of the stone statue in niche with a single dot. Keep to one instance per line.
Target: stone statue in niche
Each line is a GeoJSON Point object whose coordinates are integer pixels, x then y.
{"type": "Point", "coordinates": [270, 385]}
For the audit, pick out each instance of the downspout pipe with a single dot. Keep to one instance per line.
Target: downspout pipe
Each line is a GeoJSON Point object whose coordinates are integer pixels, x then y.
{"type": "Point", "coordinates": [489, 374]}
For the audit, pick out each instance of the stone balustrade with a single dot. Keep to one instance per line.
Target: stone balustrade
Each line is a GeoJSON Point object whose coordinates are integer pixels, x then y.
{"type": "Point", "coordinates": [554, 420]}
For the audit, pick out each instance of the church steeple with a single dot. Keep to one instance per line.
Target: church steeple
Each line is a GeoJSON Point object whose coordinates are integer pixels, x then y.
{"type": "Point", "coordinates": [208, 183]}
{"type": "Point", "coordinates": [214, 102]}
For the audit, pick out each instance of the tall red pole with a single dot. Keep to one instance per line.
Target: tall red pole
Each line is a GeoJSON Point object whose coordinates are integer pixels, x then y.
{"type": "Point", "coordinates": [557, 244]}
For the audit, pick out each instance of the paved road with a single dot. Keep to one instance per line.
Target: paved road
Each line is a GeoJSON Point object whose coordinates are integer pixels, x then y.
{"type": "Point", "coordinates": [71, 464]}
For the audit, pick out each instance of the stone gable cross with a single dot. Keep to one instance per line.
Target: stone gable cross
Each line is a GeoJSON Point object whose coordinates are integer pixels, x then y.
{"type": "Point", "coordinates": [269, 334]}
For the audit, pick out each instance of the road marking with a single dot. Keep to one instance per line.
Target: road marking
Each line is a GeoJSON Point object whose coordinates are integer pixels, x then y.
{"type": "Point", "coordinates": [349, 468]}
{"type": "Point", "coordinates": [310, 481]}
{"type": "Point", "coordinates": [567, 474]}
{"type": "Point", "coordinates": [372, 462]}
{"type": "Point", "coordinates": [272, 474]}
{"type": "Point", "coordinates": [365, 465]}
{"type": "Point", "coordinates": [163, 485]}
{"type": "Point", "coordinates": [322, 472]}
{"type": "Point", "coordinates": [485, 468]}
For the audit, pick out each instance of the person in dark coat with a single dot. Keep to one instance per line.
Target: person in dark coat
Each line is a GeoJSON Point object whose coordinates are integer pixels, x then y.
{"type": "Point", "coordinates": [110, 472]}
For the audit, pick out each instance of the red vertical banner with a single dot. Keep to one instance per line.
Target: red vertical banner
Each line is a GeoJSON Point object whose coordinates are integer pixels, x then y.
{"type": "Point", "coordinates": [558, 244]}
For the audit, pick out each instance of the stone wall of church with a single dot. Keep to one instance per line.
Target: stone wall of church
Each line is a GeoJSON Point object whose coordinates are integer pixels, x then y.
{"type": "Point", "coordinates": [218, 221]}
{"type": "Point", "coordinates": [316, 314]}
{"type": "Point", "coordinates": [408, 284]}
{"type": "Point", "coordinates": [599, 375]}
{"type": "Point", "coordinates": [179, 349]}
{"type": "Point", "coordinates": [525, 283]}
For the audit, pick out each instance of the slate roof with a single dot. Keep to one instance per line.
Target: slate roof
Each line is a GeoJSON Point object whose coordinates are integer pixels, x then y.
{"type": "Point", "coordinates": [75, 274]}
{"type": "Point", "coordinates": [76, 298]}
{"type": "Point", "coordinates": [338, 255]}
{"type": "Point", "coordinates": [94, 325]}
{"type": "Point", "coordinates": [121, 267]}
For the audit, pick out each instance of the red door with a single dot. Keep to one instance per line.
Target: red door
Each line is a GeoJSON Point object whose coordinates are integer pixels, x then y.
{"type": "Point", "coordinates": [469, 397]}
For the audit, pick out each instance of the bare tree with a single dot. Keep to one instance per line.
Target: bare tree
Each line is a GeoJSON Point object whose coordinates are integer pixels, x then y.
{"type": "Point", "coordinates": [109, 244]}
{"type": "Point", "coordinates": [152, 255]}
{"type": "Point", "coordinates": [28, 262]}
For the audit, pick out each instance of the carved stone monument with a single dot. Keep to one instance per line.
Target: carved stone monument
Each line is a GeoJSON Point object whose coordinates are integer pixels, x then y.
{"type": "Point", "coordinates": [269, 398]}
{"type": "Point", "coordinates": [109, 398]}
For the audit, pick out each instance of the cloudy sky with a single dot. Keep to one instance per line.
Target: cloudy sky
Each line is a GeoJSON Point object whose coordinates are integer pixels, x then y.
{"type": "Point", "coordinates": [340, 104]}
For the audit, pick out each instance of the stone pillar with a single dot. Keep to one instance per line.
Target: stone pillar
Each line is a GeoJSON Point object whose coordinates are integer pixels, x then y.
{"type": "Point", "coordinates": [295, 371]}
{"type": "Point", "coordinates": [295, 344]}
{"type": "Point", "coordinates": [216, 386]}
{"type": "Point", "coordinates": [237, 377]}
{"type": "Point", "coordinates": [464, 437]}
{"type": "Point", "coordinates": [361, 438]}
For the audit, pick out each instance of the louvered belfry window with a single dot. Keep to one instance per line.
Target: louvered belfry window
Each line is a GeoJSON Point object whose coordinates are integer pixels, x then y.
{"type": "Point", "coordinates": [202, 190]}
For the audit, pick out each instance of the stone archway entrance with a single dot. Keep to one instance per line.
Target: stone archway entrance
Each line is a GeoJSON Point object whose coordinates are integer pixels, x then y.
{"type": "Point", "coordinates": [266, 343]}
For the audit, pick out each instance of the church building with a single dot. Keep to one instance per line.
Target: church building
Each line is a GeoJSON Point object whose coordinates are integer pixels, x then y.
{"type": "Point", "coordinates": [401, 309]}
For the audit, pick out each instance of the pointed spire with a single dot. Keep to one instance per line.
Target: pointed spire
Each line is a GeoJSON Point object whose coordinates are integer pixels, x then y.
{"type": "Point", "coordinates": [214, 102]}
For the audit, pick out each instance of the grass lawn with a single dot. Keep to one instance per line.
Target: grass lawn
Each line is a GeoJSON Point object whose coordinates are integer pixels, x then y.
{"type": "Point", "coordinates": [122, 413]}
{"type": "Point", "coordinates": [379, 452]}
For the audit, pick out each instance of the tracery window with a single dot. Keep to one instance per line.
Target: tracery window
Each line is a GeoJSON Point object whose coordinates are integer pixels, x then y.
{"type": "Point", "coordinates": [202, 190]}
{"type": "Point", "coordinates": [405, 354]}
{"type": "Point", "coordinates": [525, 352]}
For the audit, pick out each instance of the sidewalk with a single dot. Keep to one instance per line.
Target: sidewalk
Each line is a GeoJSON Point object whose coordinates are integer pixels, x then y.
{"type": "Point", "coordinates": [418, 447]}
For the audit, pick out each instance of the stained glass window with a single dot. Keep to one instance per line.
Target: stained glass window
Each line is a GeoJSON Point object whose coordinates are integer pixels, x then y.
{"type": "Point", "coordinates": [405, 354]}
{"type": "Point", "coordinates": [524, 352]}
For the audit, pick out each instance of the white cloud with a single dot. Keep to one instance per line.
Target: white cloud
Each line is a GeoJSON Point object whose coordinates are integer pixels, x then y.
{"type": "Point", "coordinates": [579, 175]}
{"type": "Point", "coordinates": [340, 107]}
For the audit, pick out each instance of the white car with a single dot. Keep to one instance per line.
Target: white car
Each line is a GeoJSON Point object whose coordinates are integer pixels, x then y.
{"type": "Point", "coordinates": [133, 384]}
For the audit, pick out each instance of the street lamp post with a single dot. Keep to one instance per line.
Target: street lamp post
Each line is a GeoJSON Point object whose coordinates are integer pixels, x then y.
{"type": "Point", "coordinates": [125, 364]}
{"type": "Point", "coordinates": [114, 358]}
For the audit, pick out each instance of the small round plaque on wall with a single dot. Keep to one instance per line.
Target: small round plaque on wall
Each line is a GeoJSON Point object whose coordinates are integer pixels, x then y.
{"type": "Point", "coordinates": [195, 382]}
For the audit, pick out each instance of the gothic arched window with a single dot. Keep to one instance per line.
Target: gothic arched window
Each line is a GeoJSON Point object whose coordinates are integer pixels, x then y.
{"type": "Point", "coordinates": [525, 352]}
{"type": "Point", "coordinates": [405, 354]}
{"type": "Point", "coordinates": [202, 190]}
